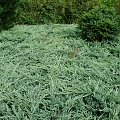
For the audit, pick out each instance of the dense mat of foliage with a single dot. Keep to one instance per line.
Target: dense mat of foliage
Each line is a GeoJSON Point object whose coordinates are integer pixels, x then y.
{"type": "Point", "coordinates": [39, 80]}
{"type": "Point", "coordinates": [100, 23]}
{"type": "Point", "coordinates": [7, 13]}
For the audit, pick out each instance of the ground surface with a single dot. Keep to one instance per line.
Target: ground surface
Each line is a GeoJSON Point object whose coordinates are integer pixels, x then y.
{"type": "Point", "coordinates": [42, 77]}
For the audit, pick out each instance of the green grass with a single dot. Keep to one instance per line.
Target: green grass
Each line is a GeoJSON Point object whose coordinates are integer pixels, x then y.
{"type": "Point", "coordinates": [39, 80]}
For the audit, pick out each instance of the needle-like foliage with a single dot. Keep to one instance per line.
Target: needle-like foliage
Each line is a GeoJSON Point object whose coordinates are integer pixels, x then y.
{"type": "Point", "coordinates": [40, 81]}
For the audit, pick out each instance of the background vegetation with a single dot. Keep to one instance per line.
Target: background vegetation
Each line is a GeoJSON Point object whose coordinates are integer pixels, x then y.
{"type": "Point", "coordinates": [57, 11]}
{"type": "Point", "coordinates": [48, 11]}
{"type": "Point", "coordinates": [8, 13]}
{"type": "Point", "coordinates": [99, 23]}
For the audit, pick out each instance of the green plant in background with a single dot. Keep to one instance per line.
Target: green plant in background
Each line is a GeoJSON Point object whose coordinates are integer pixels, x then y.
{"type": "Point", "coordinates": [110, 3]}
{"type": "Point", "coordinates": [99, 23]}
{"type": "Point", "coordinates": [118, 7]}
{"type": "Point", "coordinates": [42, 11]}
{"type": "Point", "coordinates": [8, 13]}
{"type": "Point", "coordinates": [53, 11]}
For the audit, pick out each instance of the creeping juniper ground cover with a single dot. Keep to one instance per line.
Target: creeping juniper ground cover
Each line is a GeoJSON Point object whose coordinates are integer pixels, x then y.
{"type": "Point", "coordinates": [42, 77]}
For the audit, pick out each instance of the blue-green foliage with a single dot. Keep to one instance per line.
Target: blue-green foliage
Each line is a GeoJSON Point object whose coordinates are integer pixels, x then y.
{"type": "Point", "coordinates": [99, 23]}
{"type": "Point", "coordinates": [39, 80]}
